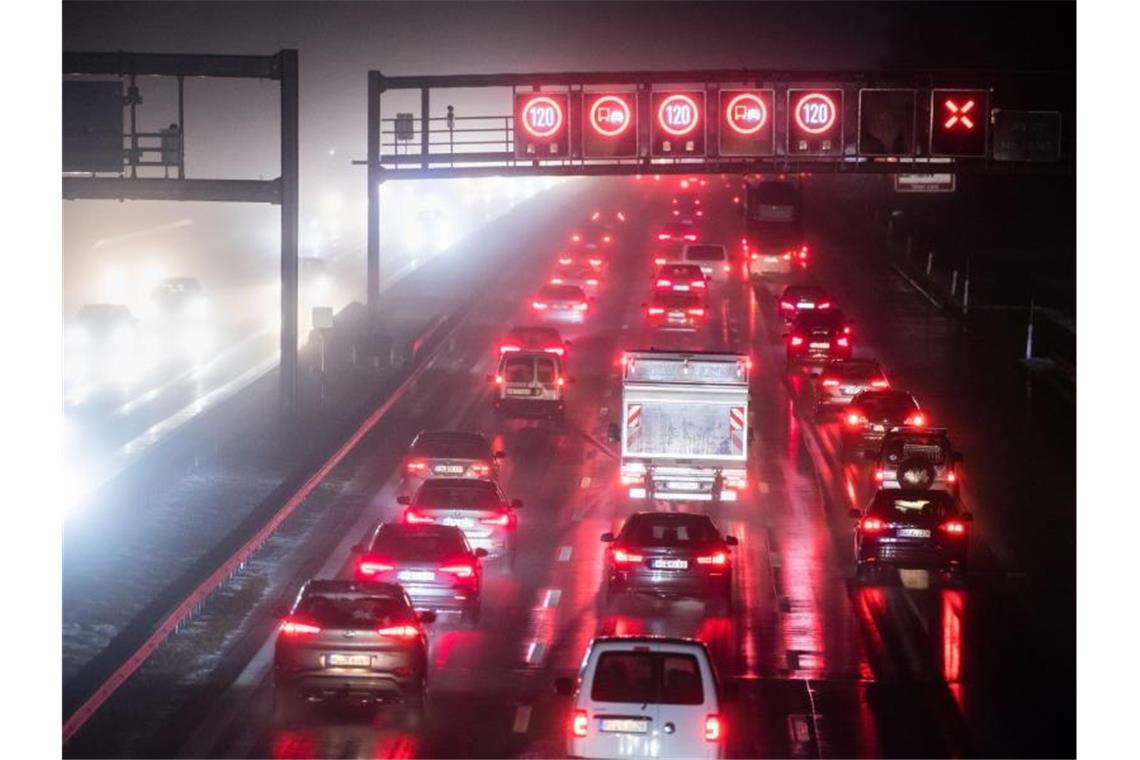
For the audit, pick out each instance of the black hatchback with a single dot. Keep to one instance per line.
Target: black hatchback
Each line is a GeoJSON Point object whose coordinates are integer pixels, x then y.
{"type": "Point", "coordinates": [912, 529]}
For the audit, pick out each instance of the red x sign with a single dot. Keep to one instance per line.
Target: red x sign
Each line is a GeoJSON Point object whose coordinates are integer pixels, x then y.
{"type": "Point", "coordinates": [959, 114]}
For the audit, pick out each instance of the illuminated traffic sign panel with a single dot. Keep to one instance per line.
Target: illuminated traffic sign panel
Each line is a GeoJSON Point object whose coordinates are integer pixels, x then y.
{"type": "Point", "coordinates": [678, 124]}
{"type": "Point", "coordinates": [746, 122]}
{"type": "Point", "coordinates": [610, 125]}
{"type": "Point", "coordinates": [887, 122]}
{"type": "Point", "coordinates": [815, 122]}
{"type": "Point", "coordinates": [541, 127]}
{"type": "Point", "coordinates": [959, 122]}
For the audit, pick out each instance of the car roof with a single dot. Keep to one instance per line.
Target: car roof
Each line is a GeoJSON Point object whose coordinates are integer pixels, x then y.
{"type": "Point", "coordinates": [884, 397]}
{"type": "Point", "coordinates": [449, 435]}
{"type": "Point", "coordinates": [841, 364]}
{"type": "Point", "coordinates": [463, 483]}
{"type": "Point", "coordinates": [669, 298]}
{"type": "Point", "coordinates": [825, 318]}
{"type": "Point", "coordinates": [670, 517]}
{"type": "Point", "coordinates": [534, 330]}
{"type": "Point", "coordinates": [650, 640]}
{"type": "Point", "coordinates": [562, 291]}
{"type": "Point", "coordinates": [352, 588]}
{"type": "Point", "coordinates": [428, 529]}
{"type": "Point", "coordinates": [792, 290]}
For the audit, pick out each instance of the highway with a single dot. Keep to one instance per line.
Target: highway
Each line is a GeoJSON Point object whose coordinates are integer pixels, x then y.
{"type": "Point", "coordinates": [828, 667]}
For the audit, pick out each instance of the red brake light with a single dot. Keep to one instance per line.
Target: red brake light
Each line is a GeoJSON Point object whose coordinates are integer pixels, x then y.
{"type": "Point", "coordinates": [415, 466]}
{"type": "Point", "coordinates": [561, 382]}
{"type": "Point", "coordinates": [581, 306]}
{"type": "Point", "coordinates": [720, 559]}
{"type": "Point", "coordinates": [653, 310]}
{"type": "Point", "coordinates": [459, 570]}
{"type": "Point", "coordinates": [498, 379]}
{"type": "Point", "coordinates": [555, 280]}
{"type": "Point", "coordinates": [803, 254]}
{"type": "Point", "coordinates": [623, 557]}
{"type": "Point", "coordinates": [481, 468]}
{"type": "Point", "coordinates": [501, 519]}
{"type": "Point", "coordinates": [690, 236]}
{"type": "Point", "coordinates": [576, 237]}
{"type": "Point", "coordinates": [296, 628]}
{"type": "Point", "coordinates": [399, 631]}
{"type": "Point", "coordinates": [880, 384]}
{"type": "Point", "coordinates": [698, 283]}
{"type": "Point", "coordinates": [954, 527]}
{"type": "Point", "coordinates": [697, 312]}
{"type": "Point", "coordinates": [823, 305]}
{"type": "Point", "coordinates": [918, 420]}
{"type": "Point", "coordinates": [787, 305]}
{"type": "Point", "coordinates": [872, 525]}
{"type": "Point", "coordinates": [659, 261]}
{"type": "Point", "coordinates": [713, 728]}
{"type": "Point", "coordinates": [830, 382]}
{"type": "Point", "coordinates": [797, 340]}
{"type": "Point", "coordinates": [842, 341]}
{"type": "Point", "coordinates": [565, 260]}
{"type": "Point", "coordinates": [591, 282]}
{"type": "Point", "coordinates": [787, 257]}
{"type": "Point", "coordinates": [372, 567]}
{"type": "Point", "coordinates": [951, 477]}
{"type": "Point", "coordinates": [595, 262]}
{"type": "Point", "coordinates": [557, 350]}
{"type": "Point", "coordinates": [412, 517]}
{"type": "Point", "coordinates": [605, 238]}
{"type": "Point", "coordinates": [581, 723]}
{"type": "Point", "coordinates": [879, 475]}
{"type": "Point", "coordinates": [508, 347]}
{"type": "Point", "coordinates": [854, 419]}
{"type": "Point", "coordinates": [538, 304]}
{"type": "Point", "coordinates": [662, 235]}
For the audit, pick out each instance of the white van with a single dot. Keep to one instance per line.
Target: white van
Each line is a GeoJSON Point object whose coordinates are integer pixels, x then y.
{"type": "Point", "coordinates": [712, 258]}
{"type": "Point", "coordinates": [645, 696]}
{"type": "Point", "coordinates": [530, 384]}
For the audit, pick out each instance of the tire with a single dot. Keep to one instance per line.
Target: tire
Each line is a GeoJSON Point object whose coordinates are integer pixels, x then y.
{"type": "Point", "coordinates": [286, 705]}
{"type": "Point", "coordinates": [915, 473]}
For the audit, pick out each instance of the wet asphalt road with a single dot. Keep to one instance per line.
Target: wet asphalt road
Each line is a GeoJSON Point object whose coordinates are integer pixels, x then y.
{"type": "Point", "coordinates": [907, 667]}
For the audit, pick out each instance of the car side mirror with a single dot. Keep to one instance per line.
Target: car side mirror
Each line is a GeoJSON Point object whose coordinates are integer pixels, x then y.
{"type": "Point", "coordinates": [516, 504]}
{"type": "Point", "coordinates": [427, 616]}
{"type": "Point", "coordinates": [730, 690]}
{"type": "Point", "coordinates": [967, 517]}
{"type": "Point", "coordinates": [564, 686]}
{"type": "Point", "coordinates": [854, 514]}
{"type": "Point", "coordinates": [607, 537]}
{"type": "Point", "coordinates": [404, 500]}
{"type": "Point", "coordinates": [957, 457]}
{"type": "Point", "coordinates": [613, 432]}
{"type": "Point", "coordinates": [500, 455]}
{"type": "Point", "coordinates": [731, 541]}
{"type": "Point", "coordinates": [480, 553]}
{"type": "Point", "coordinates": [279, 611]}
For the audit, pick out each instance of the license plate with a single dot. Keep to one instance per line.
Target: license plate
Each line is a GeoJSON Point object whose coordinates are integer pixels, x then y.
{"type": "Point", "coordinates": [680, 287]}
{"type": "Point", "coordinates": [771, 259]}
{"type": "Point", "coordinates": [805, 306]}
{"type": "Point", "coordinates": [670, 564]}
{"type": "Point", "coordinates": [878, 428]}
{"type": "Point", "coordinates": [459, 522]}
{"type": "Point", "coordinates": [623, 726]}
{"type": "Point", "coordinates": [851, 390]}
{"type": "Point", "coordinates": [518, 391]}
{"type": "Point", "coordinates": [913, 533]}
{"type": "Point", "coordinates": [819, 345]}
{"type": "Point", "coordinates": [675, 485]}
{"type": "Point", "coordinates": [416, 575]}
{"type": "Point", "coordinates": [707, 270]}
{"type": "Point", "coordinates": [347, 660]}
{"type": "Point", "coordinates": [450, 468]}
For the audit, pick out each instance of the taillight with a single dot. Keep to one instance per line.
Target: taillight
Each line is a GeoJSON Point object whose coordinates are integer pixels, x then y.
{"type": "Point", "coordinates": [538, 304]}
{"type": "Point", "coordinates": [690, 236]}
{"type": "Point", "coordinates": [855, 419]}
{"type": "Point", "coordinates": [581, 723]}
{"type": "Point", "coordinates": [698, 283]}
{"type": "Point", "coordinates": [481, 469]}
{"type": "Point", "coordinates": [720, 559]}
{"type": "Point", "coordinates": [581, 306]}
{"type": "Point", "coordinates": [700, 213]}
{"type": "Point", "coordinates": [872, 525]}
{"type": "Point", "coordinates": [803, 254]}
{"type": "Point", "coordinates": [591, 282]}
{"type": "Point", "coordinates": [697, 312]}
{"type": "Point", "coordinates": [557, 350]}
{"type": "Point", "coordinates": [373, 567]}
{"type": "Point", "coordinates": [561, 382]}
{"type": "Point", "coordinates": [842, 341]}
{"type": "Point", "coordinates": [953, 527]}
{"type": "Point", "coordinates": [595, 262]}
{"type": "Point", "coordinates": [555, 280]}
{"type": "Point", "coordinates": [458, 570]}
{"type": "Point", "coordinates": [565, 260]}
{"type": "Point", "coordinates": [506, 348]}
{"type": "Point", "coordinates": [623, 557]}
{"type": "Point", "coordinates": [830, 382]}
{"type": "Point", "coordinates": [664, 283]}
{"type": "Point", "coordinates": [498, 379]}
{"type": "Point", "coordinates": [918, 420]}
{"type": "Point", "coordinates": [399, 631]}
{"type": "Point", "coordinates": [659, 261]}
{"type": "Point", "coordinates": [655, 310]}
{"type": "Point", "coordinates": [797, 340]}
{"type": "Point", "coordinates": [880, 384]}
{"type": "Point", "coordinates": [576, 238]}
{"type": "Point", "coordinates": [606, 238]}
{"type": "Point", "coordinates": [755, 257]}
{"type": "Point", "coordinates": [951, 477]}
{"type": "Point", "coordinates": [879, 475]}
{"type": "Point", "coordinates": [787, 305]}
{"type": "Point", "coordinates": [662, 235]}
{"type": "Point", "coordinates": [502, 519]}
{"type": "Point", "coordinates": [297, 628]}
{"type": "Point", "coordinates": [787, 257]}
{"type": "Point", "coordinates": [713, 728]}
{"type": "Point", "coordinates": [727, 268]}
{"type": "Point", "coordinates": [414, 467]}
{"type": "Point", "coordinates": [412, 517]}
{"type": "Point", "coordinates": [823, 305]}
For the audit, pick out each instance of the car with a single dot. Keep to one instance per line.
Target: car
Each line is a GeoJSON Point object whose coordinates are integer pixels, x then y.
{"type": "Point", "coordinates": [476, 507]}
{"type": "Point", "coordinates": [434, 564]}
{"type": "Point", "coordinates": [360, 641]}
{"type": "Point", "coordinates": [843, 379]}
{"type": "Point", "coordinates": [677, 232]}
{"type": "Point", "coordinates": [906, 528]}
{"type": "Point", "coordinates": [677, 554]}
{"type": "Point", "coordinates": [667, 253]}
{"type": "Point", "coordinates": [534, 338]}
{"type": "Point", "coordinates": [676, 311]}
{"type": "Point", "coordinates": [917, 458]}
{"type": "Point", "coordinates": [451, 454]}
{"type": "Point", "coordinates": [592, 237]}
{"type": "Point", "coordinates": [798, 298]}
{"type": "Point", "coordinates": [646, 696]}
{"type": "Point", "coordinates": [687, 208]}
{"type": "Point", "coordinates": [608, 223]}
{"type": "Point", "coordinates": [583, 276]}
{"type": "Point", "coordinates": [561, 303]}
{"type": "Point", "coordinates": [872, 413]}
{"type": "Point", "coordinates": [530, 384]}
{"type": "Point", "coordinates": [775, 257]}
{"type": "Point", "coordinates": [680, 278]}
{"type": "Point", "coordinates": [180, 298]}
{"type": "Point", "coordinates": [712, 258]}
{"type": "Point", "coordinates": [595, 259]}
{"type": "Point", "coordinates": [102, 326]}
{"type": "Point", "coordinates": [817, 337]}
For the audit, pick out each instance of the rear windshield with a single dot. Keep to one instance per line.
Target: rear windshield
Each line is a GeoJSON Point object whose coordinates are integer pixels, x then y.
{"type": "Point", "coordinates": [665, 678]}
{"type": "Point", "coordinates": [929, 448]}
{"type": "Point", "coordinates": [351, 611]}
{"type": "Point", "coordinates": [547, 373]}
{"type": "Point", "coordinates": [879, 406]}
{"type": "Point", "coordinates": [807, 292]}
{"type": "Point", "coordinates": [826, 319]}
{"type": "Point", "coordinates": [413, 544]}
{"type": "Point", "coordinates": [519, 369]}
{"type": "Point", "coordinates": [857, 371]}
{"type": "Point", "coordinates": [671, 532]}
{"type": "Point", "coordinates": [475, 495]}
{"type": "Point", "coordinates": [454, 448]}
{"type": "Point", "coordinates": [563, 292]}
{"type": "Point", "coordinates": [705, 253]}
{"type": "Point", "coordinates": [534, 335]}
{"type": "Point", "coordinates": [681, 271]}
{"type": "Point", "coordinates": [679, 300]}
{"type": "Point", "coordinates": [678, 228]}
{"type": "Point", "coordinates": [901, 506]}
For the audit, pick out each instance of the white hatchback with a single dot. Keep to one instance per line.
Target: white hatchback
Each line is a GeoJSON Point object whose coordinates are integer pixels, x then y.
{"type": "Point", "coordinates": [645, 696]}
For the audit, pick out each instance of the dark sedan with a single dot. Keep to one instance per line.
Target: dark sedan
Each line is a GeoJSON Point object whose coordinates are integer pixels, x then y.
{"type": "Point", "coordinates": [912, 529]}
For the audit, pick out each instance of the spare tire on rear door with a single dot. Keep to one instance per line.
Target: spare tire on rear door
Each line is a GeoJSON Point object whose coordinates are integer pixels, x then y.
{"type": "Point", "coordinates": [916, 473]}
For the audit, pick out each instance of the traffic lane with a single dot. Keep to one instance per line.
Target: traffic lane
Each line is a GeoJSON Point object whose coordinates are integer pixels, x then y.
{"type": "Point", "coordinates": [458, 652]}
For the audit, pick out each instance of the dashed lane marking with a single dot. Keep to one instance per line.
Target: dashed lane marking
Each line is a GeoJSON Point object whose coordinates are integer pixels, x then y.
{"type": "Point", "coordinates": [584, 482]}
{"type": "Point", "coordinates": [551, 598]}
{"type": "Point", "coordinates": [522, 719]}
{"type": "Point", "coordinates": [564, 553]}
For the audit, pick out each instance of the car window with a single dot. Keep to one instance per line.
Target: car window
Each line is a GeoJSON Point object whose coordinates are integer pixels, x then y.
{"type": "Point", "coordinates": [918, 507]}
{"type": "Point", "coordinates": [350, 612]}
{"type": "Point", "coordinates": [653, 531]}
{"type": "Point", "coordinates": [705, 253]}
{"type": "Point", "coordinates": [858, 371]}
{"type": "Point", "coordinates": [547, 373]}
{"type": "Point", "coordinates": [886, 406]}
{"type": "Point", "coordinates": [435, 496]}
{"type": "Point", "coordinates": [519, 370]}
{"type": "Point", "coordinates": [679, 300]}
{"type": "Point", "coordinates": [926, 448]}
{"type": "Point", "coordinates": [563, 292]}
{"type": "Point", "coordinates": [417, 545]}
{"type": "Point", "coordinates": [648, 677]}
{"type": "Point", "coordinates": [456, 448]}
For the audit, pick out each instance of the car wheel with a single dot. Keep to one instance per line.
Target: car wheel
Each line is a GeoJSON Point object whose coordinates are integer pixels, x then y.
{"type": "Point", "coordinates": [286, 705]}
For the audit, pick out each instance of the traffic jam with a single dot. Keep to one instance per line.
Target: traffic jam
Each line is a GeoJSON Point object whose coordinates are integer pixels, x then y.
{"type": "Point", "coordinates": [675, 454]}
